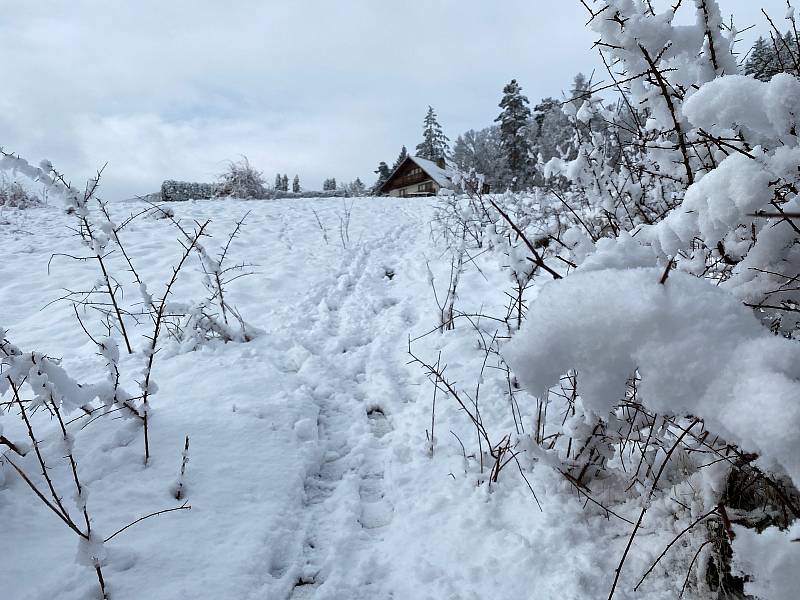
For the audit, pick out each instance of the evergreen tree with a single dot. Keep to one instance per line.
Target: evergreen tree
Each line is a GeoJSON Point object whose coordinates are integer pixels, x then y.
{"type": "Point", "coordinates": [759, 62]}
{"type": "Point", "coordinates": [434, 145]}
{"type": "Point", "coordinates": [285, 183]}
{"type": "Point", "coordinates": [580, 87]}
{"type": "Point", "coordinates": [296, 184]}
{"type": "Point", "coordinates": [514, 120]}
{"type": "Point", "coordinates": [401, 158]}
{"type": "Point", "coordinates": [765, 61]}
{"type": "Point", "coordinates": [329, 185]}
{"type": "Point", "coordinates": [383, 173]}
{"type": "Point", "coordinates": [278, 182]}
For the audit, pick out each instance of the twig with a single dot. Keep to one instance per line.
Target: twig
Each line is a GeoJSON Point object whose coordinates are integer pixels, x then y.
{"type": "Point", "coordinates": [183, 506]}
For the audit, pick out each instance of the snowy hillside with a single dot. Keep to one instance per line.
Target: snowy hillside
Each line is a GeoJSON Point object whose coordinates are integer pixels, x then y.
{"type": "Point", "coordinates": [310, 473]}
{"type": "Point", "coordinates": [307, 446]}
{"type": "Point", "coordinates": [573, 374]}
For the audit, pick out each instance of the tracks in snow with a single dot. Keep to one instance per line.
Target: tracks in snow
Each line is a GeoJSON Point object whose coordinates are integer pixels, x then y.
{"type": "Point", "coordinates": [355, 374]}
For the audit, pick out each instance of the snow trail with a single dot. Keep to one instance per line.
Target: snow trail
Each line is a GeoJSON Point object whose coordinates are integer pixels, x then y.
{"type": "Point", "coordinates": [354, 371]}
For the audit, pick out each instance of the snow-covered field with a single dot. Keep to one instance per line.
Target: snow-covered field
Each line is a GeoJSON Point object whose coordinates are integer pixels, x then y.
{"type": "Point", "coordinates": [310, 472]}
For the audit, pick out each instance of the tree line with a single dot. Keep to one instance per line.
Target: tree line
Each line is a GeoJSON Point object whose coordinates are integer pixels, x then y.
{"type": "Point", "coordinates": [507, 152]}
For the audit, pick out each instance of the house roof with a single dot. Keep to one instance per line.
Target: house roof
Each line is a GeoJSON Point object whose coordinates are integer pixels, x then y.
{"type": "Point", "coordinates": [437, 173]}
{"type": "Point", "coordinates": [443, 177]}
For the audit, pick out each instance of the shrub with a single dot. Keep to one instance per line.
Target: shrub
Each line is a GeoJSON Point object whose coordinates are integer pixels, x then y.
{"type": "Point", "coordinates": [14, 195]}
{"type": "Point", "coordinates": [242, 180]}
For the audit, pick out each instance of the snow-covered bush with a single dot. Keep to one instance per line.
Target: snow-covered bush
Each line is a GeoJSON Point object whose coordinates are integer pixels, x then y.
{"type": "Point", "coordinates": [14, 195]}
{"type": "Point", "coordinates": [241, 180]}
{"type": "Point", "coordinates": [32, 382]}
{"type": "Point", "coordinates": [663, 333]}
{"type": "Point", "coordinates": [215, 318]}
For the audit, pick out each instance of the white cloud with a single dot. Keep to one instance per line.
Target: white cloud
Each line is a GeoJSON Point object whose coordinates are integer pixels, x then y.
{"type": "Point", "coordinates": [172, 89]}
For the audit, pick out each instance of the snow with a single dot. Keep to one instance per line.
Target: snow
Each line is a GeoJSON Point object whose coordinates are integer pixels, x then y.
{"type": "Point", "coordinates": [365, 431]}
{"type": "Point", "coordinates": [309, 471]}
{"type": "Point", "coordinates": [772, 561]}
{"type": "Point", "coordinates": [697, 349]}
{"type": "Point", "coordinates": [441, 176]}
{"type": "Point", "coordinates": [764, 110]}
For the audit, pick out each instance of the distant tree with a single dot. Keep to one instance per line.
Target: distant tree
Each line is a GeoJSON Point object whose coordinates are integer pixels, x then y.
{"type": "Point", "coordinates": [329, 185]}
{"type": "Point", "coordinates": [434, 145]}
{"type": "Point", "coordinates": [580, 87]}
{"type": "Point", "coordinates": [481, 151]}
{"type": "Point", "coordinates": [296, 184]}
{"type": "Point", "coordinates": [356, 187]}
{"type": "Point", "coordinates": [551, 131]}
{"type": "Point", "coordinates": [278, 182]}
{"type": "Point", "coordinates": [758, 63]}
{"type": "Point", "coordinates": [788, 54]}
{"type": "Point", "coordinates": [403, 155]}
{"type": "Point", "coordinates": [765, 61]}
{"type": "Point", "coordinates": [463, 153]}
{"type": "Point", "coordinates": [383, 173]}
{"type": "Point", "coordinates": [514, 121]}
{"type": "Point", "coordinates": [285, 183]}
{"type": "Point", "coordinates": [241, 180]}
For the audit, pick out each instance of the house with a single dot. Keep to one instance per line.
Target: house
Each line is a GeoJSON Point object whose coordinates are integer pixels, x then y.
{"type": "Point", "coordinates": [417, 176]}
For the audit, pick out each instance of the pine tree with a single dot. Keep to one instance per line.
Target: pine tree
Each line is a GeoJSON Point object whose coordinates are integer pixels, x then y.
{"type": "Point", "coordinates": [434, 145]}
{"type": "Point", "coordinates": [383, 173]}
{"type": "Point", "coordinates": [278, 182]}
{"type": "Point", "coordinates": [785, 59]}
{"type": "Point", "coordinates": [514, 134]}
{"type": "Point", "coordinates": [329, 185]}
{"type": "Point", "coordinates": [296, 184]}
{"type": "Point", "coordinates": [285, 183]}
{"type": "Point", "coordinates": [765, 61]}
{"type": "Point", "coordinates": [580, 87]}
{"type": "Point", "coordinates": [758, 62]}
{"type": "Point", "coordinates": [403, 155]}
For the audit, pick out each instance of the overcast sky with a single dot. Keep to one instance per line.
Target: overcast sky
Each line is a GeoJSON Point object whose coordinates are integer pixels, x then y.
{"type": "Point", "coordinates": [323, 88]}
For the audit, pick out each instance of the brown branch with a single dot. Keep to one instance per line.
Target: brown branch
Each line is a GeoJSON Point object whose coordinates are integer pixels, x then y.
{"type": "Point", "coordinates": [183, 506]}
{"type": "Point", "coordinates": [673, 111]}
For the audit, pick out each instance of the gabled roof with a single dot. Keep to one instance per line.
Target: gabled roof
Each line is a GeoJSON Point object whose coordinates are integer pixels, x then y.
{"type": "Point", "coordinates": [437, 173]}
{"type": "Point", "coordinates": [442, 177]}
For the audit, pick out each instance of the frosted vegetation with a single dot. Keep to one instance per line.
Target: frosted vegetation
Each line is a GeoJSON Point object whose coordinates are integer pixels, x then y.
{"type": "Point", "coordinates": [603, 361]}
{"type": "Point", "coordinates": [670, 354]}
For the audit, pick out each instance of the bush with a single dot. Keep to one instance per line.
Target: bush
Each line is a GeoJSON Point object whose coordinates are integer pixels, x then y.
{"type": "Point", "coordinates": [242, 180]}
{"type": "Point", "coordinates": [13, 195]}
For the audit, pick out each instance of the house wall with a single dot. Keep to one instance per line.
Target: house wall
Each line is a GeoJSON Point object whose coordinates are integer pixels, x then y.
{"type": "Point", "coordinates": [410, 190]}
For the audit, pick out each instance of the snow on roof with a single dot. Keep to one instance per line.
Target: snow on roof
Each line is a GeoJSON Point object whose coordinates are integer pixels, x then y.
{"type": "Point", "coordinates": [437, 173]}
{"type": "Point", "coordinates": [441, 176]}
